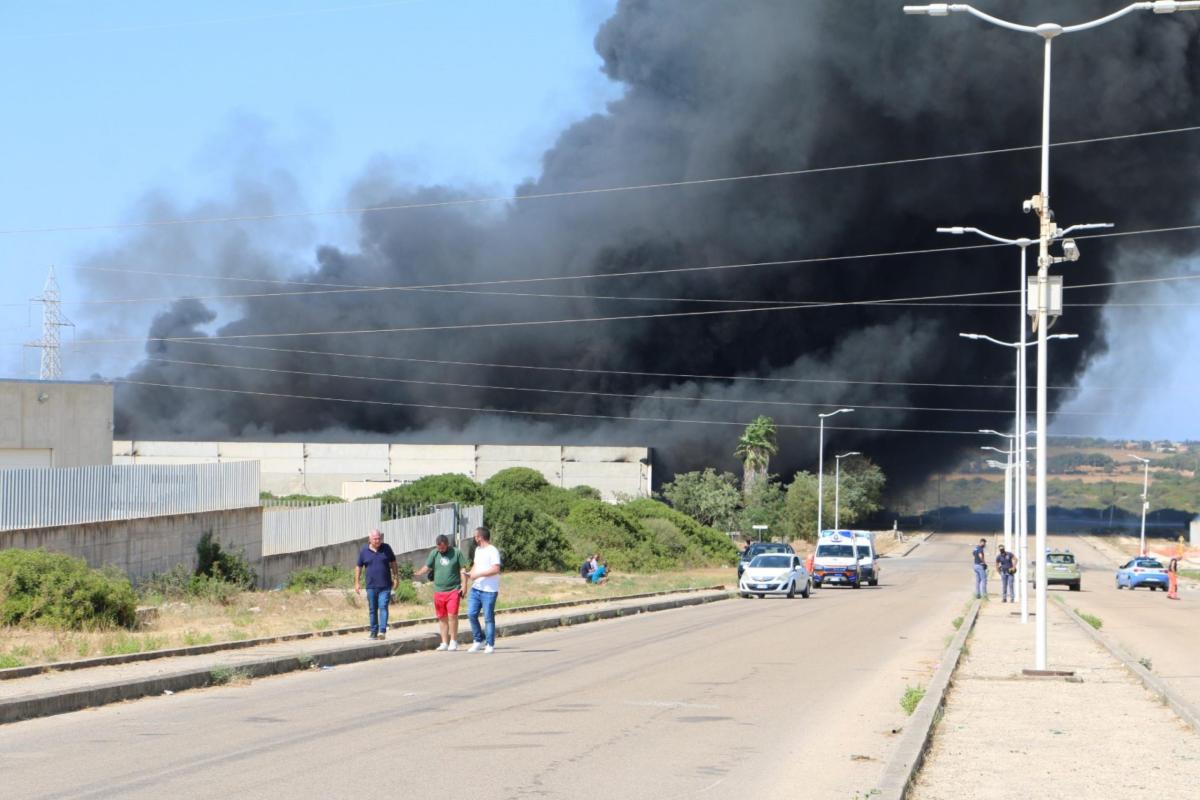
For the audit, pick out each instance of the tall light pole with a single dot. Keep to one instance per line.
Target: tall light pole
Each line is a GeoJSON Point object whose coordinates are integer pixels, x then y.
{"type": "Point", "coordinates": [837, 488]}
{"type": "Point", "coordinates": [1145, 501]}
{"type": "Point", "coordinates": [821, 463]}
{"type": "Point", "coordinates": [1047, 232]}
{"type": "Point", "coordinates": [1008, 466]}
{"type": "Point", "coordinates": [1022, 522]}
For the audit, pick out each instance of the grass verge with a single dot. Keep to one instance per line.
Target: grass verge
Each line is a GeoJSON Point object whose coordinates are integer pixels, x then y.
{"type": "Point", "coordinates": [1091, 619]}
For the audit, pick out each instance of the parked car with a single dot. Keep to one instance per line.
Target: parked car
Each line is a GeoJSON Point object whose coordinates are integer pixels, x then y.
{"type": "Point", "coordinates": [1142, 571]}
{"type": "Point", "coordinates": [775, 573]}
{"type": "Point", "coordinates": [758, 548]}
{"type": "Point", "coordinates": [835, 561]}
{"type": "Point", "coordinates": [1061, 570]}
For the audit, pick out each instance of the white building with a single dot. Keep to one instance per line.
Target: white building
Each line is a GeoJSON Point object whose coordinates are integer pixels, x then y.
{"type": "Point", "coordinates": [55, 423]}
{"type": "Point", "coordinates": [361, 470]}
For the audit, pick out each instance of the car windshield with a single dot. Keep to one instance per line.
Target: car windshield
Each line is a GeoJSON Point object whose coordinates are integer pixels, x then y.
{"type": "Point", "coordinates": [1060, 558]}
{"type": "Point", "coordinates": [776, 562]}
{"type": "Point", "coordinates": [835, 551]}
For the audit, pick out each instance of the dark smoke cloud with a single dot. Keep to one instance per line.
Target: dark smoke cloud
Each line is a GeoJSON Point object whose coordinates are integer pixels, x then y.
{"type": "Point", "coordinates": [722, 88]}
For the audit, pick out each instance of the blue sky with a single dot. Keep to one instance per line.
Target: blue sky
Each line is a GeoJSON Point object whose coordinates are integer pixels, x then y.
{"type": "Point", "coordinates": [111, 104]}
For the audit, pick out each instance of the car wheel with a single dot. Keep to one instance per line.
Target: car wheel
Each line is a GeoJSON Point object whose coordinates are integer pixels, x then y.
{"type": "Point", "coordinates": [761, 596]}
{"type": "Point", "coordinates": [791, 595]}
{"type": "Point", "coordinates": [745, 595]}
{"type": "Point", "coordinates": [1132, 587]}
{"type": "Point", "coordinates": [1119, 586]}
{"type": "Point", "coordinates": [807, 590]}
{"type": "Point", "coordinates": [1075, 587]}
{"type": "Point", "coordinates": [874, 581]}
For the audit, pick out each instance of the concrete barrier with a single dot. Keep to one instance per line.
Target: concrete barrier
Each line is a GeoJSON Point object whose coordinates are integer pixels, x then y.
{"type": "Point", "coordinates": [914, 742]}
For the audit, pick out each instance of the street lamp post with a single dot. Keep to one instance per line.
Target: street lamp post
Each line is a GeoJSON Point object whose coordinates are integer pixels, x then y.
{"type": "Point", "coordinates": [1018, 446]}
{"type": "Point", "coordinates": [1008, 466]}
{"type": "Point", "coordinates": [1047, 232]}
{"type": "Point", "coordinates": [1145, 500]}
{"type": "Point", "coordinates": [837, 488]}
{"type": "Point", "coordinates": [821, 463]}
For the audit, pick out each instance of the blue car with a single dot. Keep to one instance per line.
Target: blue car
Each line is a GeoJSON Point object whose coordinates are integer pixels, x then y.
{"type": "Point", "coordinates": [1142, 571]}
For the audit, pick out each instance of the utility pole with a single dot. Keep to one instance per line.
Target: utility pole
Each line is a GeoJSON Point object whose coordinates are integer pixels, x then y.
{"type": "Point", "coordinates": [821, 465]}
{"type": "Point", "coordinates": [52, 320]}
{"type": "Point", "coordinates": [1047, 306]}
{"type": "Point", "coordinates": [1145, 501]}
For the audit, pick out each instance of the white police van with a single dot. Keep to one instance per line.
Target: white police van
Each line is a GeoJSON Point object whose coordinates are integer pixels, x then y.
{"type": "Point", "coordinates": [868, 561]}
{"type": "Point", "coordinates": [835, 563]}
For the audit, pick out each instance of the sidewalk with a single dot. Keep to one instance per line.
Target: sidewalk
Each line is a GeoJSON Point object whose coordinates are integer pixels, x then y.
{"type": "Point", "coordinates": [1098, 735]}
{"type": "Point", "coordinates": [60, 692]}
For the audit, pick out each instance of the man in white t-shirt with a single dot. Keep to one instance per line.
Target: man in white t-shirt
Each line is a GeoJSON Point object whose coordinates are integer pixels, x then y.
{"type": "Point", "coordinates": [485, 572]}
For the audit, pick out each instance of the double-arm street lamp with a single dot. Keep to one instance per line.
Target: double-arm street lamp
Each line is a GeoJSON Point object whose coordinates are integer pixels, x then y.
{"type": "Point", "coordinates": [1048, 232]}
{"type": "Point", "coordinates": [1145, 500]}
{"type": "Point", "coordinates": [821, 463]}
{"type": "Point", "coordinates": [837, 488]}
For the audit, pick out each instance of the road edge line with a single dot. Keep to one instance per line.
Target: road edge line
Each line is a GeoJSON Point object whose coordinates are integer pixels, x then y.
{"type": "Point", "coordinates": [1154, 684]}
{"type": "Point", "coordinates": [906, 760]}
{"type": "Point", "coordinates": [54, 703]}
{"type": "Point", "coordinates": [915, 545]}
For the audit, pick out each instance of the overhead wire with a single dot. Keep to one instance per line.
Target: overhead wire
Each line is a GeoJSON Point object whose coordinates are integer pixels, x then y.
{"type": "Point", "coordinates": [611, 318]}
{"type": "Point", "coordinates": [583, 393]}
{"type": "Point", "coordinates": [600, 190]}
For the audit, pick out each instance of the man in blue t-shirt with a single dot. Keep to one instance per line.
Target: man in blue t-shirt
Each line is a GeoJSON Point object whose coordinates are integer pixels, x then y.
{"type": "Point", "coordinates": [980, 564]}
{"type": "Point", "coordinates": [379, 562]}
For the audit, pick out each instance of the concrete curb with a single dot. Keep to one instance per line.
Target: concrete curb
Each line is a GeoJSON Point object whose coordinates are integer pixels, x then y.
{"type": "Point", "coordinates": [915, 545]}
{"type": "Point", "coordinates": [1186, 711]}
{"type": "Point", "coordinates": [914, 742]}
{"type": "Point", "coordinates": [204, 649]}
{"type": "Point", "coordinates": [51, 703]}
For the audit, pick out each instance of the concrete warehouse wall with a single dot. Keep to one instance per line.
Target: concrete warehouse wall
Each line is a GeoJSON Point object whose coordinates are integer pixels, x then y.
{"type": "Point", "coordinates": [145, 546]}
{"type": "Point", "coordinates": [274, 570]}
{"type": "Point", "coordinates": [360, 470]}
{"type": "Point", "coordinates": [55, 424]}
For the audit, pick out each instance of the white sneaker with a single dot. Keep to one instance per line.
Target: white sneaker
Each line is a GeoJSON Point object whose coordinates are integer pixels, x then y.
{"type": "Point", "coordinates": [441, 647]}
{"type": "Point", "coordinates": [453, 644]}
{"type": "Point", "coordinates": [488, 649]}
{"type": "Point", "coordinates": [474, 648]}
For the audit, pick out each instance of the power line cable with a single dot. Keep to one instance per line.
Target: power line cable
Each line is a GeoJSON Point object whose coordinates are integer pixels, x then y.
{"type": "Point", "coordinates": [614, 318]}
{"type": "Point", "coordinates": [621, 395]}
{"type": "Point", "coordinates": [576, 192]}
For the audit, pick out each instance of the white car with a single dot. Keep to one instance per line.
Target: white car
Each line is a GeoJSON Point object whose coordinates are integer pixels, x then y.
{"type": "Point", "coordinates": [775, 573]}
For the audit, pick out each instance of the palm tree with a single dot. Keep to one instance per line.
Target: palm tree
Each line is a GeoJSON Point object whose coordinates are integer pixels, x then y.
{"type": "Point", "coordinates": [755, 448]}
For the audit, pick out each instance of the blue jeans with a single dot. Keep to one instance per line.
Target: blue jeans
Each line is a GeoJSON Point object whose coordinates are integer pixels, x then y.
{"type": "Point", "coordinates": [1006, 586]}
{"type": "Point", "coordinates": [377, 603]}
{"type": "Point", "coordinates": [980, 580]}
{"type": "Point", "coordinates": [487, 602]}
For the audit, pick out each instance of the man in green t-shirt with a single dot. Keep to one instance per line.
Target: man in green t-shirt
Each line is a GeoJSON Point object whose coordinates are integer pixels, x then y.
{"type": "Point", "coordinates": [447, 565]}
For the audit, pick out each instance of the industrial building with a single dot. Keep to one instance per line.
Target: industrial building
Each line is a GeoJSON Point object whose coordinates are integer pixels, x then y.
{"type": "Point", "coordinates": [55, 423]}
{"type": "Point", "coordinates": [361, 470]}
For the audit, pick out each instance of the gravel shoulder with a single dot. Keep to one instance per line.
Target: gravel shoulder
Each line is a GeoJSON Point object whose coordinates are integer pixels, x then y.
{"type": "Point", "coordinates": [1100, 735]}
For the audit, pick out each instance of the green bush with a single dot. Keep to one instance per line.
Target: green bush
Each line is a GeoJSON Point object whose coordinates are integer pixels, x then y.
{"type": "Point", "coordinates": [516, 479]}
{"type": "Point", "coordinates": [405, 570]}
{"type": "Point", "coordinates": [37, 587]}
{"type": "Point", "coordinates": [313, 578]}
{"type": "Point", "coordinates": [527, 538]}
{"type": "Point", "coordinates": [446, 488]}
{"type": "Point", "coordinates": [213, 562]}
{"type": "Point", "coordinates": [715, 545]}
{"type": "Point", "coordinates": [405, 593]}
{"type": "Point", "coordinates": [619, 537]}
{"type": "Point", "coordinates": [585, 492]}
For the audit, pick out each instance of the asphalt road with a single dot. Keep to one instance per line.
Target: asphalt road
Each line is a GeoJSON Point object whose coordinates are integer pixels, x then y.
{"type": "Point", "coordinates": [1145, 622]}
{"type": "Point", "coordinates": [739, 697]}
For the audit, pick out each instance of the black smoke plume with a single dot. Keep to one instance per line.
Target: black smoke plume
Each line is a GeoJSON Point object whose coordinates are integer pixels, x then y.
{"type": "Point", "coordinates": [719, 88]}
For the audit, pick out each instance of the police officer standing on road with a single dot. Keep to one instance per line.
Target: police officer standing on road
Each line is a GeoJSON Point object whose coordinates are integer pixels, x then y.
{"type": "Point", "coordinates": [1006, 566]}
{"type": "Point", "coordinates": [980, 569]}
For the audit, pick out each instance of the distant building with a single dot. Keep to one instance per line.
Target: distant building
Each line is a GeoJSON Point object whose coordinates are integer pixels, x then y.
{"type": "Point", "coordinates": [55, 423]}
{"type": "Point", "coordinates": [361, 470]}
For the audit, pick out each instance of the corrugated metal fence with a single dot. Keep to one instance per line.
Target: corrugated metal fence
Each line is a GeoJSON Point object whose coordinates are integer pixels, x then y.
{"type": "Point", "coordinates": [290, 530]}
{"type": "Point", "coordinates": [40, 498]}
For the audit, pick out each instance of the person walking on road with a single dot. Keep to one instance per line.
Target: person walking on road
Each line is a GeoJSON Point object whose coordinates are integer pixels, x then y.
{"type": "Point", "coordinates": [379, 562]}
{"type": "Point", "coordinates": [447, 565]}
{"type": "Point", "coordinates": [1173, 579]}
{"type": "Point", "coordinates": [485, 572]}
{"type": "Point", "coordinates": [980, 569]}
{"type": "Point", "coordinates": [1007, 568]}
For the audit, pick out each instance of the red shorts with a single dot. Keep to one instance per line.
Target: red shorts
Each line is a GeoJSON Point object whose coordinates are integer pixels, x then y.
{"type": "Point", "coordinates": [446, 603]}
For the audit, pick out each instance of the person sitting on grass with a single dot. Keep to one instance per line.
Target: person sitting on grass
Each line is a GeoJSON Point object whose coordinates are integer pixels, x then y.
{"type": "Point", "coordinates": [600, 573]}
{"type": "Point", "coordinates": [587, 568]}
